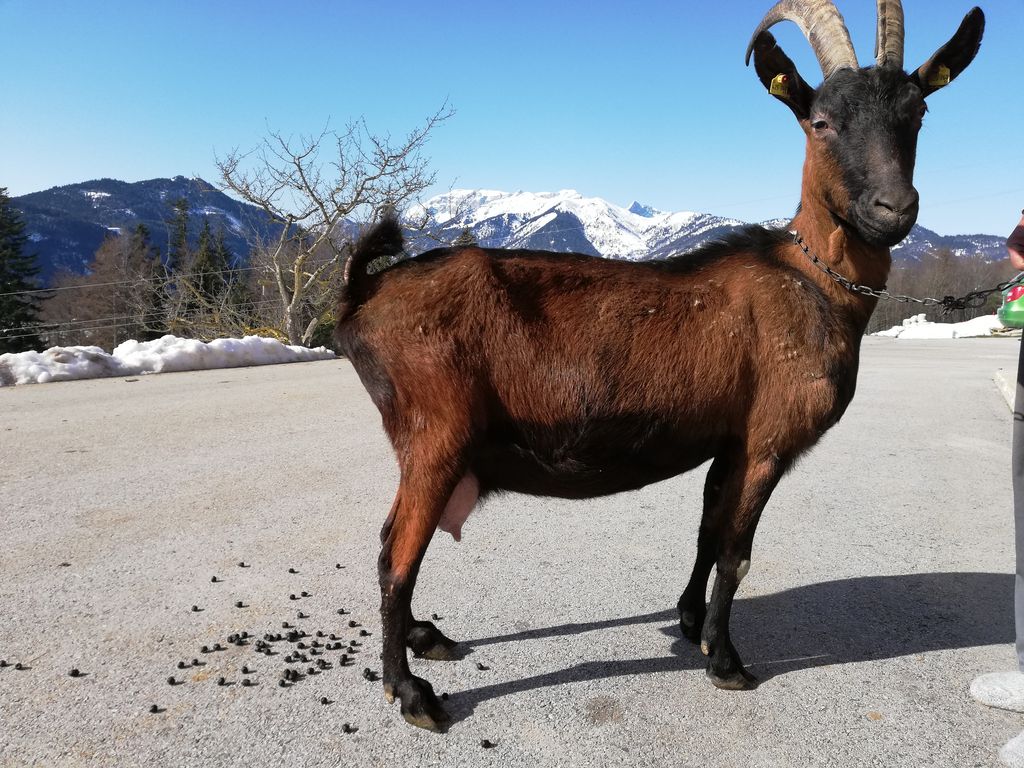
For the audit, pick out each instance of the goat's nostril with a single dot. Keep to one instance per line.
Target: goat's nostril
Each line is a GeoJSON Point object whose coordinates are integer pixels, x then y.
{"type": "Point", "coordinates": [898, 203]}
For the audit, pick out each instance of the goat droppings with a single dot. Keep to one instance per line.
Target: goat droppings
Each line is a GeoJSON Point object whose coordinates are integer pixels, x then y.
{"type": "Point", "coordinates": [348, 728]}
{"type": "Point", "coordinates": [488, 744]}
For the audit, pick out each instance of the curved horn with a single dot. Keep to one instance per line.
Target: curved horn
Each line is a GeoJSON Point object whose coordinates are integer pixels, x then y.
{"type": "Point", "coordinates": [822, 25]}
{"type": "Point", "coordinates": [889, 40]}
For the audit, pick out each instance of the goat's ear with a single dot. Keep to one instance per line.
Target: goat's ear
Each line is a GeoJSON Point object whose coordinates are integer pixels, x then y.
{"type": "Point", "coordinates": [952, 58]}
{"type": "Point", "coordinates": [778, 74]}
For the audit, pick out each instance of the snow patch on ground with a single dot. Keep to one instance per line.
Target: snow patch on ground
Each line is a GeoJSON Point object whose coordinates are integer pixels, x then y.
{"type": "Point", "coordinates": [163, 355]}
{"type": "Point", "coordinates": [917, 327]}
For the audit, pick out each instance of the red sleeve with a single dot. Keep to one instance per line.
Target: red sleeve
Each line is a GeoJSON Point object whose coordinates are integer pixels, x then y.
{"type": "Point", "coordinates": [1016, 239]}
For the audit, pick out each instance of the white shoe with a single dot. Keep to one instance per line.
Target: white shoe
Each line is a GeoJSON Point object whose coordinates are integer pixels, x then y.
{"type": "Point", "coordinates": [1012, 753]}
{"type": "Point", "coordinates": [1004, 690]}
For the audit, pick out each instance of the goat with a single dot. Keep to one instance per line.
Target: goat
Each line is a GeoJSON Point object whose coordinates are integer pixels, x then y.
{"type": "Point", "coordinates": [574, 376]}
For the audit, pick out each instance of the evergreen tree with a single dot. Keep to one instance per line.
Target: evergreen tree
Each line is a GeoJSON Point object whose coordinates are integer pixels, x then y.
{"type": "Point", "coordinates": [210, 267]}
{"type": "Point", "coordinates": [177, 251]}
{"type": "Point", "coordinates": [465, 238]}
{"type": "Point", "coordinates": [19, 310]}
{"type": "Point", "coordinates": [144, 290]}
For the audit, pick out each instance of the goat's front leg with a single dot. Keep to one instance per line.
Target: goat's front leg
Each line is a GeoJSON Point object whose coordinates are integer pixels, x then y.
{"type": "Point", "coordinates": [745, 494]}
{"type": "Point", "coordinates": [692, 606]}
{"type": "Point", "coordinates": [406, 534]}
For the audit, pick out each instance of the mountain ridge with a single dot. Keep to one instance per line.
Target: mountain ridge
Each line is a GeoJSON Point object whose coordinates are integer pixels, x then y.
{"type": "Point", "coordinates": [66, 224]}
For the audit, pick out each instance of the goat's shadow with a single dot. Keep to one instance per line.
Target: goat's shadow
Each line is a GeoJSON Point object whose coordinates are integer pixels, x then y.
{"type": "Point", "coordinates": [835, 622]}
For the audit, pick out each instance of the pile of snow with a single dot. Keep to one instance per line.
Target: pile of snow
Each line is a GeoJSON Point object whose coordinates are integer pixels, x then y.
{"type": "Point", "coordinates": [917, 327]}
{"type": "Point", "coordinates": [163, 355]}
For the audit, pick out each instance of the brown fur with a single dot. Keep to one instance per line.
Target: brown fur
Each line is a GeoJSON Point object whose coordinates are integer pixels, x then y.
{"type": "Point", "coordinates": [572, 376]}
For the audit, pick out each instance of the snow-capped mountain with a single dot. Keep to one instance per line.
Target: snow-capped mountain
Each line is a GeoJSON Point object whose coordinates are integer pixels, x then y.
{"type": "Point", "coordinates": [568, 221]}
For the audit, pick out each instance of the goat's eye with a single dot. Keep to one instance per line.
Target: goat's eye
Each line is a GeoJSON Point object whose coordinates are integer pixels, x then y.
{"type": "Point", "coordinates": [820, 125]}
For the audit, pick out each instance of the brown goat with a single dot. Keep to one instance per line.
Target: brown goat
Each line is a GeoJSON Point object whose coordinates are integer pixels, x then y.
{"type": "Point", "coordinates": [572, 376]}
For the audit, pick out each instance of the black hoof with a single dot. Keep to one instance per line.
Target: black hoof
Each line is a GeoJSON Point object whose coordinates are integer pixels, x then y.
{"type": "Point", "coordinates": [420, 707]}
{"type": "Point", "coordinates": [740, 680]}
{"type": "Point", "coordinates": [428, 642]}
{"type": "Point", "coordinates": [725, 668]}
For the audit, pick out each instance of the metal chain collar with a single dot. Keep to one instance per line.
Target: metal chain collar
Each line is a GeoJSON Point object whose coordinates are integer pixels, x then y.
{"type": "Point", "coordinates": [972, 300]}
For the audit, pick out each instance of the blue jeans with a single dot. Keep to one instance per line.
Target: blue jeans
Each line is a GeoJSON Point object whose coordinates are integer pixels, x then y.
{"type": "Point", "coordinates": [1018, 505]}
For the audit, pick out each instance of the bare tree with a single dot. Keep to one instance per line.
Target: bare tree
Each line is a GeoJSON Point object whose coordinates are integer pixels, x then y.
{"type": "Point", "coordinates": [937, 274]}
{"type": "Point", "coordinates": [118, 299]}
{"type": "Point", "coordinates": [312, 198]}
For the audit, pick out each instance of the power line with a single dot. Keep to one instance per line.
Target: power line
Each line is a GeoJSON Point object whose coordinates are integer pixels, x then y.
{"type": "Point", "coordinates": [134, 281]}
{"type": "Point", "coordinates": [87, 325]}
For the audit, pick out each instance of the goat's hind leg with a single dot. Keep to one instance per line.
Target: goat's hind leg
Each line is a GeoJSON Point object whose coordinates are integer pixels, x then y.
{"type": "Point", "coordinates": [421, 498]}
{"type": "Point", "coordinates": [425, 639]}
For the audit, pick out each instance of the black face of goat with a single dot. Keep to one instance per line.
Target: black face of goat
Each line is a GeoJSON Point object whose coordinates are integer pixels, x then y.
{"type": "Point", "coordinates": [862, 123]}
{"type": "Point", "coordinates": [572, 376]}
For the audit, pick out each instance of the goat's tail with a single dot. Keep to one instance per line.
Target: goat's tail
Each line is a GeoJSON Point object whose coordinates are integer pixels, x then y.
{"type": "Point", "coordinates": [381, 242]}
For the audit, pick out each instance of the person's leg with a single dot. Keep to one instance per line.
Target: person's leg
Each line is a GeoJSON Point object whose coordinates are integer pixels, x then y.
{"type": "Point", "coordinates": [1006, 689]}
{"type": "Point", "coordinates": [1017, 460]}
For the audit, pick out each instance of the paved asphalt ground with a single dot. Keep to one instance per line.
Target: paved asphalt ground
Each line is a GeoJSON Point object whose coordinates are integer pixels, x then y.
{"type": "Point", "coordinates": [880, 585]}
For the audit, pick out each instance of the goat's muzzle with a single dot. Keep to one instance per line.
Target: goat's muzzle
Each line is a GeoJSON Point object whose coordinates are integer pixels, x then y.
{"type": "Point", "coordinates": [885, 217]}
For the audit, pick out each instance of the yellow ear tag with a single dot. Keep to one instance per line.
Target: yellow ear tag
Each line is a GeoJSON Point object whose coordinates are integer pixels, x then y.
{"type": "Point", "coordinates": [780, 86]}
{"type": "Point", "coordinates": [940, 77]}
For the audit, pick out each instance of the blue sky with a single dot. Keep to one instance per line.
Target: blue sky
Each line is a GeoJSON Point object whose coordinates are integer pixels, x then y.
{"type": "Point", "coordinates": [648, 101]}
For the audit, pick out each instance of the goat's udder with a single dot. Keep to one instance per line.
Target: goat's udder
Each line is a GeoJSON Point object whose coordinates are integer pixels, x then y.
{"type": "Point", "coordinates": [461, 503]}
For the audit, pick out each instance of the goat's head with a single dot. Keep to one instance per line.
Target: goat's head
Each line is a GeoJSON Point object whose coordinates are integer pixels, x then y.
{"type": "Point", "coordinates": [861, 123]}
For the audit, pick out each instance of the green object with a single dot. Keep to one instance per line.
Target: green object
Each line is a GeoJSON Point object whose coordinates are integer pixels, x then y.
{"type": "Point", "coordinates": [1011, 311]}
